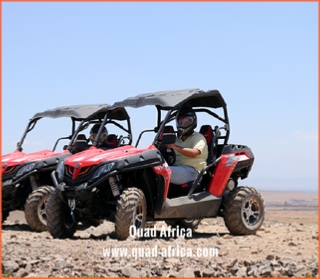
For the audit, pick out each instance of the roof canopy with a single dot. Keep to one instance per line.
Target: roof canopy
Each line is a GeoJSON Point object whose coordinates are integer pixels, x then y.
{"type": "Point", "coordinates": [174, 98]}
{"type": "Point", "coordinates": [81, 112]}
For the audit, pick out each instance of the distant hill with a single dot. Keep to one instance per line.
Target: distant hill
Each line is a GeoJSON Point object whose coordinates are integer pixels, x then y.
{"type": "Point", "coordinates": [290, 199]}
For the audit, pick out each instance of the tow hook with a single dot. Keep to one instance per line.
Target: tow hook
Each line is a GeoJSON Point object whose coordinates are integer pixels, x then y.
{"type": "Point", "coordinates": [72, 205]}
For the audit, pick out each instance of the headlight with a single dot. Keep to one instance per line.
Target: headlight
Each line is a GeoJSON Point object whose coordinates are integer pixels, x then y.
{"type": "Point", "coordinates": [103, 169]}
{"type": "Point", "coordinates": [26, 168]}
{"type": "Point", "coordinates": [60, 170]}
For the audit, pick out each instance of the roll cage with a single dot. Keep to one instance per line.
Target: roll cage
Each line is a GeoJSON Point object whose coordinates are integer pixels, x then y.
{"type": "Point", "coordinates": [82, 114]}
{"type": "Point", "coordinates": [172, 101]}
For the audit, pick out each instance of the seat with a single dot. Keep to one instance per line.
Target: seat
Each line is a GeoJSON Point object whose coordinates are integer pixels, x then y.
{"type": "Point", "coordinates": [112, 141]}
{"type": "Point", "coordinates": [210, 136]}
{"type": "Point", "coordinates": [80, 144]}
{"type": "Point", "coordinates": [81, 137]}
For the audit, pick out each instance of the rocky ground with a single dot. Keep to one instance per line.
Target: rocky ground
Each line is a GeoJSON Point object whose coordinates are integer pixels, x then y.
{"type": "Point", "coordinates": [277, 250]}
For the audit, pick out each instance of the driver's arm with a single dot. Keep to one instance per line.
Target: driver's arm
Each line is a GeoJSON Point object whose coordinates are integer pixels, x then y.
{"type": "Point", "coordinates": [189, 152]}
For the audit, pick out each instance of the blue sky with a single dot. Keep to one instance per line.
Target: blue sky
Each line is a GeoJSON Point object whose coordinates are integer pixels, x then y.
{"type": "Point", "coordinates": [262, 57]}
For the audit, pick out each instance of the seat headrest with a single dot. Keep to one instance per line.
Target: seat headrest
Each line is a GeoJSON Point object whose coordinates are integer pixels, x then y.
{"type": "Point", "coordinates": [81, 137]}
{"type": "Point", "coordinates": [207, 132]}
{"type": "Point", "coordinates": [112, 140]}
{"type": "Point", "coordinates": [168, 129]}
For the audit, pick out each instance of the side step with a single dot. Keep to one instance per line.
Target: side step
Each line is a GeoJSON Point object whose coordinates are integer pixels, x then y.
{"type": "Point", "coordinates": [200, 205]}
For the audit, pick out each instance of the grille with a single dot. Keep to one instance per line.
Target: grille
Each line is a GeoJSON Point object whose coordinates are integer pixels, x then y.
{"type": "Point", "coordinates": [9, 169]}
{"type": "Point", "coordinates": [75, 172]}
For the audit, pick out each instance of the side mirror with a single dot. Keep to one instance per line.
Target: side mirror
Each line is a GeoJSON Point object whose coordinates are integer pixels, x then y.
{"type": "Point", "coordinates": [168, 138]}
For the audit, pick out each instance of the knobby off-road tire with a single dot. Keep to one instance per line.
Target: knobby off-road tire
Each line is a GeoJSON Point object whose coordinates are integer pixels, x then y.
{"type": "Point", "coordinates": [131, 210]}
{"type": "Point", "coordinates": [243, 211]}
{"type": "Point", "coordinates": [34, 209]}
{"type": "Point", "coordinates": [184, 223]}
{"type": "Point", "coordinates": [59, 220]}
{"type": "Point", "coordinates": [5, 215]}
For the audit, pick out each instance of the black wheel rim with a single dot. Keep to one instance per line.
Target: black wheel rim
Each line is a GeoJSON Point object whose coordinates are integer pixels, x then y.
{"type": "Point", "coordinates": [138, 218]}
{"type": "Point", "coordinates": [42, 211]}
{"type": "Point", "coordinates": [251, 211]}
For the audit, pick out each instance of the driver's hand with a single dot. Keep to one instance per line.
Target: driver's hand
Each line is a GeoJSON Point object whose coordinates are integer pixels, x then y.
{"type": "Point", "coordinates": [171, 145]}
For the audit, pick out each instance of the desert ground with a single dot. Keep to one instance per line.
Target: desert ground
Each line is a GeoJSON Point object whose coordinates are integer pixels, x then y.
{"type": "Point", "coordinates": [283, 206]}
{"type": "Point", "coordinates": [285, 246]}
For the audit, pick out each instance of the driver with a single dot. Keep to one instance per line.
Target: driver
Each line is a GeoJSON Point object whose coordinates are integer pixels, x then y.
{"type": "Point", "coordinates": [102, 141]}
{"type": "Point", "coordinates": [190, 147]}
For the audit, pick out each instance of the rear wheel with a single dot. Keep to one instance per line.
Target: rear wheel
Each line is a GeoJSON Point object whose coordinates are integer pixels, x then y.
{"type": "Point", "coordinates": [243, 211]}
{"type": "Point", "coordinates": [131, 211]}
{"type": "Point", "coordinates": [59, 220]}
{"type": "Point", "coordinates": [35, 212]}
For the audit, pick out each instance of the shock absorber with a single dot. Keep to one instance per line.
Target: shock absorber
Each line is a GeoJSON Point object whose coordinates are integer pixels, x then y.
{"type": "Point", "coordinates": [114, 187]}
{"type": "Point", "coordinates": [33, 182]}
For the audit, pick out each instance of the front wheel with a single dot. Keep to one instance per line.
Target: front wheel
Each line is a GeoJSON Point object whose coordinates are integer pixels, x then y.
{"type": "Point", "coordinates": [59, 220]}
{"type": "Point", "coordinates": [34, 210]}
{"type": "Point", "coordinates": [131, 212]}
{"type": "Point", "coordinates": [243, 211]}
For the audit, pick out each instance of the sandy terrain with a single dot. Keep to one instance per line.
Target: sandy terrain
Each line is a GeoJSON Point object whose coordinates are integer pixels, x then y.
{"type": "Point", "coordinates": [285, 246]}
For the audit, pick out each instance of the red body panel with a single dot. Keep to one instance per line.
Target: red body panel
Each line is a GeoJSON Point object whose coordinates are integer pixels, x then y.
{"type": "Point", "coordinates": [17, 158]}
{"type": "Point", "coordinates": [165, 171]}
{"type": "Point", "coordinates": [95, 156]}
{"type": "Point", "coordinates": [224, 170]}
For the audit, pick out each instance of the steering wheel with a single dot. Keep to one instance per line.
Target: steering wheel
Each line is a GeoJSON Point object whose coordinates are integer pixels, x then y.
{"type": "Point", "coordinates": [170, 156]}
